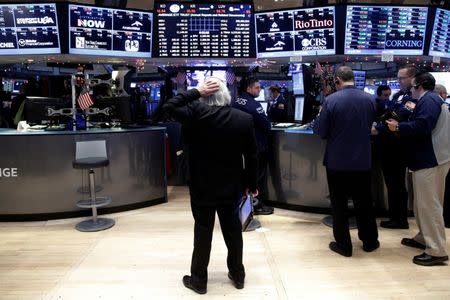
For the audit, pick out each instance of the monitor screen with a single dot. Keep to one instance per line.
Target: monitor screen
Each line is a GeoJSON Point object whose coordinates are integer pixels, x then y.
{"type": "Point", "coordinates": [204, 30]}
{"type": "Point", "coordinates": [29, 29]}
{"type": "Point", "coordinates": [297, 80]}
{"type": "Point", "coordinates": [385, 29]}
{"type": "Point", "coordinates": [440, 38]}
{"type": "Point", "coordinates": [360, 79]}
{"type": "Point", "coordinates": [299, 105]}
{"type": "Point", "coordinates": [300, 32]}
{"type": "Point", "coordinates": [194, 78]}
{"type": "Point", "coordinates": [111, 32]}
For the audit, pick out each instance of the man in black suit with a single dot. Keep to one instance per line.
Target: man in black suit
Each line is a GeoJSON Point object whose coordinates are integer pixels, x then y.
{"type": "Point", "coordinates": [345, 122]}
{"type": "Point", "coordinates": [217, 138]}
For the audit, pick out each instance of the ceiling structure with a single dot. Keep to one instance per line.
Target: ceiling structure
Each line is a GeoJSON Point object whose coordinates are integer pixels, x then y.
{"type": "Point", "coordinates": [260, 5]}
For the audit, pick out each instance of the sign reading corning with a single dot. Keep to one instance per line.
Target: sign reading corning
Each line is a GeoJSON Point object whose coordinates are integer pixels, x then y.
{"type": "Point", "coordinates": [385, 29]}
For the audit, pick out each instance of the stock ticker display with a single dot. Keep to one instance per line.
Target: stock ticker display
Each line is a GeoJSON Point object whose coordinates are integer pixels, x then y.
{"type": "Point", "coordinates": [440, 38]}
{"type": "Point", "coordinates": [29, 29]}
{"type": "Point", "coordinates": [385, 29]}
{"type": "Point", "coordinates": [205, 30]}
{"type": "Point", "coordinates": [112, 32]}
{"type": "Point", "coordinates": [300, 32]}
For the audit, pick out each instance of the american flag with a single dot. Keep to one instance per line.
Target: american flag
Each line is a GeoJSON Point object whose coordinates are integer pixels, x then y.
{"type": "Point", "coordinates": [230, 77]}
{"type": "Point", "coordinates": [84, 100]}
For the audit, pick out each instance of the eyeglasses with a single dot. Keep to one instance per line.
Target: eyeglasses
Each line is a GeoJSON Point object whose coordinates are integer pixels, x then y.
{"type": "Point", "coordinates": [416, 86]}
{"type": "Point", "coordinates": [402, 78]}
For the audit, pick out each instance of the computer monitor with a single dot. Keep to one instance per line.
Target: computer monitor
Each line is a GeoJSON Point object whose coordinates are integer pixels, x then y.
{"type": "Point", "coordinates": [120, 109]}
{"type": "Point", "coordinates": [299, 106]}
{"type": "Point", "coordinates": [297, 80]}
{"type": "Point", "coordinates": [36, 108]}
{"type": "Point", "coordinates": [360, 79]}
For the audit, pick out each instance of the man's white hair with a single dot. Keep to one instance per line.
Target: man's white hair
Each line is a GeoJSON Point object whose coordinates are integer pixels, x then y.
{"type": "Point", "coordinates": [220, 98]}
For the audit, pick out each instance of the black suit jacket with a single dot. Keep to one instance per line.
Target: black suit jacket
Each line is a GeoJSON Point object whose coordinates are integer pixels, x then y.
{"type": "Point", "coordinates": [217, 139]}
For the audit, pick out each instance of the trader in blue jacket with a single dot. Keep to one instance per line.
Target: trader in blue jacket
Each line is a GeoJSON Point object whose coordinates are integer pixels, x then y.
{"type": "Point", "coordinates": [247, 103]}
{"type": "Point", "coordinates": [428, 173]}
{"type": "Point", "coordinates": [345, 122]}
{"type": "Point", "coordinates": [392, 151]}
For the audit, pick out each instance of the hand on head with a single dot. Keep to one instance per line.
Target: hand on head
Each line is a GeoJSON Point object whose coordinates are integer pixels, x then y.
{"type": "Point", "coordinates": [209, 87]}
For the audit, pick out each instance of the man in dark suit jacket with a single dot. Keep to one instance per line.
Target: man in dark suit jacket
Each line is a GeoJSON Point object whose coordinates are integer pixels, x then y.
{"type": "Point", "coordinates": [217, 138]}
{"type": "Point", "coordinates": [345, 122]}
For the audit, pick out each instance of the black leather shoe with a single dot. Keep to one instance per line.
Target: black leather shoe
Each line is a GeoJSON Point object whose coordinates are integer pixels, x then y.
{"type": "Point", "coordinates": [237, 283]}
{"type": "Point", "coordinates": [412, 243]}
{"type": "Point", "coordinates": [263, 210]}
{"type": "Point", "coordinates": [187, 283]}
{"type": "Point", "coordinates": [369, 247]}
{"type": "Point", "coordinates": [336, 248]}
{"type": "Point", "coordinates": [394, 225]}
{"type": "Point", "coordinates": [428, 260]}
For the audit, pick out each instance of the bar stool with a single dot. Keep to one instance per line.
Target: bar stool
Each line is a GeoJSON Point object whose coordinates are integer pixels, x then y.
{"type": "Point", "coordinates": [90, 155]}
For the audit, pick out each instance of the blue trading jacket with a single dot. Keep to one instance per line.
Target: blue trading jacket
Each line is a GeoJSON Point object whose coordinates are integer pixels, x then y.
{"type": "Point", "coordinates": [248, 104]}
{"type": "Point", "coordinates": [417, 132]}
{"type": "Point", "coordinates": [345, 121]}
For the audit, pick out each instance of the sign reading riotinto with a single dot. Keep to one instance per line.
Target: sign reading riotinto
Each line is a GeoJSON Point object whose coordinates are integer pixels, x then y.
{"type": "Point", "coordinates": [29, 29]}
{"type": "Point", "coordinates": [111, 32]}
{"type": "Point", "coordinates": [198, 30]}
{"type": "Point", "coordinates": [440, 39]}
{"type": "Point", "coordinates": [385, 29]}
{"type": "Point", "coordinates": [300, 32]}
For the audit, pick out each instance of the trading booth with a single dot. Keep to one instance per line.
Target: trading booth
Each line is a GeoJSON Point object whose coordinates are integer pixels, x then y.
{"type": "Point", "coordinates": [90, 72]}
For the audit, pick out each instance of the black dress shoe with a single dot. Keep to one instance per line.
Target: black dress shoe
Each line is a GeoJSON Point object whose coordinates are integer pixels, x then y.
{"type": "Point", "coordinates": [394, 225]}
{"type": "Point", "coordinates": [428, 260]}
{"type": "Point", "coordinates": [336, 248]}
{"type": "Point", "coordinates": [187, 283]}
{"type": "Point", "coordinates": [369, 247]}
{"type": "Point", "coordinates": [412, 243]}
{"type": "Point", "coordinates": [239, 284]}
{"type": "Point", "coordinates": [263, 210]}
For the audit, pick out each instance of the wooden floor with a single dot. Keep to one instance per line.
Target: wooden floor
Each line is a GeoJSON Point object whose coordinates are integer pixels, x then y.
{"type": "Point", "coordinates": [146, 253]}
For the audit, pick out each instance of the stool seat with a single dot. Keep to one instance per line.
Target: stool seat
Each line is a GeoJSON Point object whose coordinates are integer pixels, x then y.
{"type": "Point", "coordinates": [90, 162]}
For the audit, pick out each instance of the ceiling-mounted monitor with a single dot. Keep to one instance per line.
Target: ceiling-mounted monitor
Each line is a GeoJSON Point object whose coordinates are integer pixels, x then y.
{"type": "Point", "coordinates": [399, 30]}
{"type": "Point", "coordinates": [300, 32]}
{"type": "Point", "coordinates": [29, 29]}
{"type": "Point", "coordinates": [440, 38]}
{"type": "Point", "coordinates": [109, 32]}
{"type": "Point", "coordinates": [204, 30]}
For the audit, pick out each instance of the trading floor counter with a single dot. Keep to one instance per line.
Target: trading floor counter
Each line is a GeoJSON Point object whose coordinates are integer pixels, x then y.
{"type": "Point", "coordinates": [297, 179]}
{"type": "Point", "coordinates": [38, 182]}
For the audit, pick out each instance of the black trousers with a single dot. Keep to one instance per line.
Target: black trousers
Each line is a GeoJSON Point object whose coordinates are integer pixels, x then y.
{"type": "Point", "coordinates": [394, 172]}
{"type": "Point", "coordinates": [357, 186]}
{"type": "Point", "coordinates": [262, 177]}
{"type": "Point", "coordinates": [203, 230]}
{"type": "Point", "coordinates": [447, 201]}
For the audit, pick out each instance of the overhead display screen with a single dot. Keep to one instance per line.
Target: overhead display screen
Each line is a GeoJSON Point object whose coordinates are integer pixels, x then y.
{"type": "Point", "coordinates": [440, 39]}
{"type": "Point", "coordinates": [29, 29]}
{"type": "Point", "coordinates": [111, 32]}
{"type": "Point", "coordinates": [385, 29]}
{"type": "Point", "coordinates": [300, 32]}
{"type": "Point", "coordinates": [205, 30]}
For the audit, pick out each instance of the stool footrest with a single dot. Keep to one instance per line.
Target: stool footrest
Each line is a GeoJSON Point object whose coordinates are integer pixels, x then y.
{"type": "Point", "coordinates": [99, 202]}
